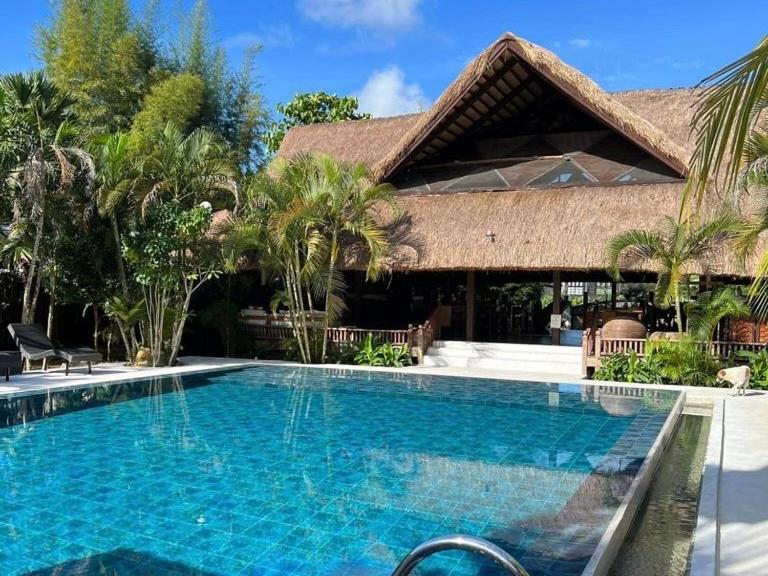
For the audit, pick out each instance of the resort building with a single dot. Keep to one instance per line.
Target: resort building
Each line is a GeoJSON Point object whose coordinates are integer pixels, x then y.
{"type": "Point", "coordinates": [513, 182]}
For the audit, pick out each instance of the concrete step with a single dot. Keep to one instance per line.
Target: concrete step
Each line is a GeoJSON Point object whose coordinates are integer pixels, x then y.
{"type": "Point", "coordinates": [508, 357]}
{"type": "Point", "coordinates": [504, 347]}
{"type": "Point", "coordinates": [505, 354]}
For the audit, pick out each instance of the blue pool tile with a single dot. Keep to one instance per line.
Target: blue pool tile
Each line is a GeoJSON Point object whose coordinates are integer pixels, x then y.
{"type": "Point", "coordinates": [276, 471]}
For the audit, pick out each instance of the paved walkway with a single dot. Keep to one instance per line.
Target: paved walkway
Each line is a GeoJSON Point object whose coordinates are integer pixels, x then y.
{"type": "Point", "coordinates": [732, 531]}
{"type": "Point", "coordinates": [39, 381]}
{"type": "Point", "coordinates": [743, 501]}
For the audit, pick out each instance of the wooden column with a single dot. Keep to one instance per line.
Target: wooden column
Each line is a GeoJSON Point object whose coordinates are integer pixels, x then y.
{"type": "Point", "coordinates": [470, 333]}
{"type": "Point", "coordinates": [557, 292]}
{"type": "Point", "coordinates": [613, 295]}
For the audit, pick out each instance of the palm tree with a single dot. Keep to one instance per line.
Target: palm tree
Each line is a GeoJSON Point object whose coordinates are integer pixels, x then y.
{"type": "Point", "coordinates": [41, 163]}
{"type": "Point", "coordinates": [673, 249]}
{"type": "Point", "coordinates": [346, 200]}
{"type": "Point", "coordinates": [705, 314]}
{"type": "Point", "coordinates": [116, 176]}
{"type": "Point", "coordinates": [187, 169]}
{"type": "Point", "coordinates": [727, 113]}
{"type": "Point", "coordinates": [279, 228]}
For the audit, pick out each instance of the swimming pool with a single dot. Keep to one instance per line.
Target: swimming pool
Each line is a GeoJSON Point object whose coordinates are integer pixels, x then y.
{"type": "Point", "coordinates": [275, 470]}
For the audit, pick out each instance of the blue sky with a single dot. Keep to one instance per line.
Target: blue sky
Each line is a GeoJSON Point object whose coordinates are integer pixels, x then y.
{"type": "Point", "coordinates": [398, 55]}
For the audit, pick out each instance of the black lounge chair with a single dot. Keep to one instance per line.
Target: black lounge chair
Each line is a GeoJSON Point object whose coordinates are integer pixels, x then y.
{"type": "Point", "coordinates": [34, 344]}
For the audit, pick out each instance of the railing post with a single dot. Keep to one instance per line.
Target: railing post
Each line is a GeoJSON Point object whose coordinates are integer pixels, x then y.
{"type": "Point", "coordinates": [598, 347]}
{"type": "Point", "coordinates": [420, 344]}
{"type": "Point", "coordinates": [584, 350]}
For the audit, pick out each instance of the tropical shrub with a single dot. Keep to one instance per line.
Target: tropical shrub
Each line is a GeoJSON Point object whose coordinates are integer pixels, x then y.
{"type": "Point", "coordinates": [684, 362]}
{"type": "Point", "coordinates": [171, 255]}
{"type": "Point", "coordinates": [758, 365]}
{"type": "Point", "coordinates": [630, 368]}
{"type": "Point", "coordinates": [373, 353]}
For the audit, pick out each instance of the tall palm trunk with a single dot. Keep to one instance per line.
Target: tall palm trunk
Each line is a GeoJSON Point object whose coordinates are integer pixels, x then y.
{"type": "Point", "coordinates": [119, 256]}
{"type": "Point", "coordinates": [328, 286]}
{"type": "Point", "coordinates": [678, 312]}
{"type": "Point", "coordinates": [128, 334]}
{"type": "Point", "coordinates": [51, 314]}
{"type": "Point", "coordinates": [29, 301]}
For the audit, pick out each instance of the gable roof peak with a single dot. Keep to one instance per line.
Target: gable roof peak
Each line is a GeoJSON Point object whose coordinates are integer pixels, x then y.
{"type": "Point", "coordinates": [485, 74]}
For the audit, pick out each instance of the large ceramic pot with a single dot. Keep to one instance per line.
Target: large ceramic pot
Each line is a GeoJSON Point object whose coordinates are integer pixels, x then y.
{"type": "Point", "coordinates": [623, 328]}
{"type": "Point", "coordinates": [143, 357]}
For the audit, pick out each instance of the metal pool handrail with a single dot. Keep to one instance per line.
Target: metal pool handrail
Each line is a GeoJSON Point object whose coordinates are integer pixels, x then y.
{"type": "Point", "coordinates": [459, 542]}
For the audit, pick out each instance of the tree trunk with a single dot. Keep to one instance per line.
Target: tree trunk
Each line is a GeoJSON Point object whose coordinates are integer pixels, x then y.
{"type": "Point", "coordinates": [292, 310]}
{"type": "Point", "coordinates": [95, 308]}
{"type": "Point", "coordinates": [179, 332]}
{"type": "Point", "coordinates": [119, 255]}
{"type": "Point", "coordinates": [678, 313]}
{"type": "Point", "coordinates": [29, 302]}
{"type": "Point", "coordinates": [51, 314]}
{"type": "Point", "coordinates": [331, 270]}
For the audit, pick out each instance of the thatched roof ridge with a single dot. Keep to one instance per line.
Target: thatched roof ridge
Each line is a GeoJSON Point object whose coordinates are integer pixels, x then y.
{"type": "Point", "coordinates": [581, 89]}
{"type": "Point", "coordinates": [368, 141]}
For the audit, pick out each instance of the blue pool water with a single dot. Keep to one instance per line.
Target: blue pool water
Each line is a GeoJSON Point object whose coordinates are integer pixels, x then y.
{"type": "Point", "coordinates": [272, 471]}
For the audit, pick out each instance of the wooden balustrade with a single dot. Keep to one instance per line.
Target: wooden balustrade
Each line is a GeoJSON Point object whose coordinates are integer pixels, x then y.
{"type": "Point", "coordinates": [417, 338]}
{"type": "Point", "coordinates": [595, 347]}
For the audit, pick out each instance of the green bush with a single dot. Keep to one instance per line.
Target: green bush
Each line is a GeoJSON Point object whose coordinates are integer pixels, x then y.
{"type": "Point", "coordinates": [630, 368]}
{"type": "Point", "coordinates": [685, 362]}
{"type": "Point", "coordinates": [758, 365]}
{"type": "Point", "coordinates": [373, 353]}
{"type": "Point", "coordinates": [370, 352]}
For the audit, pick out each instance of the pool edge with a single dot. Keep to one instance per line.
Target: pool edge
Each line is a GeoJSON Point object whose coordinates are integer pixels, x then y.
{"type": "Point", "coordinates": [607, 549]}
{"type": "Point", "coordinates": [705, 554]}
{"type": "Point", "coordinates": [96, 380]}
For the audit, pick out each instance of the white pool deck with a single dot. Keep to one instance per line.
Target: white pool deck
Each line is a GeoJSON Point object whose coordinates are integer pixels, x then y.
{"type": "Point", "coordinates": [732, 531]}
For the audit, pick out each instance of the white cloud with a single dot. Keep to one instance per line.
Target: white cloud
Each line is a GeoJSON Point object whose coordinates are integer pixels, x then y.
{"type": "Point", "coordinates": [386, 94]}
{"type": "Point", "coordinates": [374, 14]}
{"type": "Point", "coordinates": [272, 36]}
{"type": "Point", "coordinates": [580, 42]}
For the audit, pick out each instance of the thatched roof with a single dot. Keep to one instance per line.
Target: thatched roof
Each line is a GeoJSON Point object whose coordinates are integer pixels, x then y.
{"type": "Point", "coordinates": [506, 62]}
{"type": "Point", "coordinates": [656, 120]}
{"type": "Point", "coordinates": [531, 229]}
{"type": "Point", "coordinates": [368, 141]}
{"type": "Point", "coordinates": [365, 141]}
{"type": "Point", "coordinates": [564, 228]}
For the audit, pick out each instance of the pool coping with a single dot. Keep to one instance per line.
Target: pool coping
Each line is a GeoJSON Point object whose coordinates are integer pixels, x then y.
{"type": "Point", "coordinates": [80, 382]}
{"type": "Point", "coordinates": [614, 535]}
{"type": "Point", "coordinates": [705, 554]}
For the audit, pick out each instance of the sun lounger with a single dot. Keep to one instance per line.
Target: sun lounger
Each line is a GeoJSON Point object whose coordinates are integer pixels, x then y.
{"type": "Point", "coordinates": [34, 344]}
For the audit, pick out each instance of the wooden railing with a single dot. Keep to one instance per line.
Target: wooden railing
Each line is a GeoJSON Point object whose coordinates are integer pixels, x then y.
{"type": "Point", "coordinates": [344, 335]}
{"type": "Point", "coordinates": [414, 337]}
{"type": "Point", "coordinates": [417, 338]}
{"type": "Point", "coordinates": [595, 347]}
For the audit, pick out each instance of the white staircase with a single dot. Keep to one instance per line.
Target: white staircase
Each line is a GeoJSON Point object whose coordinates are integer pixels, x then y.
{"type": "Point", "coordinates": [520, 358]}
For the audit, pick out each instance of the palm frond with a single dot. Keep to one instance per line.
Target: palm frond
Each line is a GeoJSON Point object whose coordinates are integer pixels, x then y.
{"type": "Point", "coordinates": [725, 114]}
